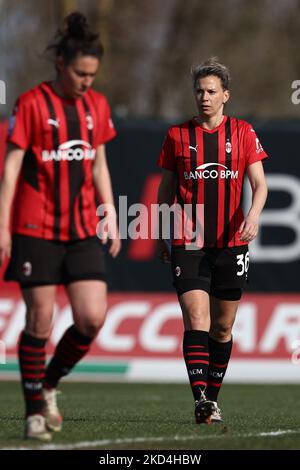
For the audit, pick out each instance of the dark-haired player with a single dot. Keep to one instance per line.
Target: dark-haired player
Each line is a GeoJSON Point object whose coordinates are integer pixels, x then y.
{"type": "Point", "coordinates": [56, 165]}
{"type": "Point", "coordinates": [205, 160]}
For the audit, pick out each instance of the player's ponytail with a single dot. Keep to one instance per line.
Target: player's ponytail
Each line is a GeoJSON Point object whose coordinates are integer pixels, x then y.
{"type": "Point", "coordinates": [76, 25]}
{"type": "Point", "coordinates": [75, 38]}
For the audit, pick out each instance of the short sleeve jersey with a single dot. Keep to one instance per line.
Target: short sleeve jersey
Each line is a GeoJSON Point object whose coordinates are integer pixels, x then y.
{"type": "Point", "coordinates": [210, 166]}
{"type": "Point", "coordinates": [55, 196]}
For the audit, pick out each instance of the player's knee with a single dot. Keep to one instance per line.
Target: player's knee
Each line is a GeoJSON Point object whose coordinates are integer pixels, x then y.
{"type": "Point", "coordinates": [198, 319]}
{"type": "Point", "coordinates": [39, 321]}
{"type": "Point", "coordinates": [90, 329]}
{"type": "Point", "coordinates": [221, 331]}
{"type": "Point", "coordinates": [92, 325]}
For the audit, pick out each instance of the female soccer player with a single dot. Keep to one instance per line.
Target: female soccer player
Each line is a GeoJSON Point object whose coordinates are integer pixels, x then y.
{"type": "Point", "coordinates": [56, 165]}
{"type": "Point", "coordinates": [204, 162]}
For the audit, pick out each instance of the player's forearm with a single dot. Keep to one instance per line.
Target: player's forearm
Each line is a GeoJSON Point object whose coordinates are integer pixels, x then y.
{"type": "Point", "coordinates": [101, 178]}
{"type": "Point", "coordinates": [165, 196]}
{"type": "Point", "coordinates": [259, 197]}
{"type": "Point", "coordinates": [11, 171]}
{"type": "Point", "coordinates": [102, 183]}
{"type": "Point", "coordinates": [103, 186]}
{"type": "Point", "coordinates": [7, 190]}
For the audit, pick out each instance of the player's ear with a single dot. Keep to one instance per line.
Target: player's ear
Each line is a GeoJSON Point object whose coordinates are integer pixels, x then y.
{"type": "Point", "coordinates": [226, 96]}
{"type": "Point", "coordinates": [59, 63]}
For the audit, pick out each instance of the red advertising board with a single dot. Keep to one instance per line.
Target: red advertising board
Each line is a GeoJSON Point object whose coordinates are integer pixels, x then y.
{"type": "Point", "coordinates": [148, 327]}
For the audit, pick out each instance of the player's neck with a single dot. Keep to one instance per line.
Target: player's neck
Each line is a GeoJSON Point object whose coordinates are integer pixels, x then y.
{"type": "Point", "coordinates": [59, 90]}
{"type": "Point", "coordinates": [210, 122]}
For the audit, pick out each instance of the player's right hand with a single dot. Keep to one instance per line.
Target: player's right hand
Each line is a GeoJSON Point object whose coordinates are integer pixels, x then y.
{"type": "Point", "coordinates": [163, 252]}
{"type": "Point", "coordinates": [5, 244]}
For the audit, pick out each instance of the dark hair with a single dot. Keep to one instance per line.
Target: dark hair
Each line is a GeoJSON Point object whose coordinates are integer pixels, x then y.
{"type": "Point", "coordinates": [75, 38]}
{"type": "Point", "coordinates": [211, 67]}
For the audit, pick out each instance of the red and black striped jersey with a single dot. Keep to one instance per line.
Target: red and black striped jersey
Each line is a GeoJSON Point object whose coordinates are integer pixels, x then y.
{"type": "Point", "coordinates": [55, 195]}
{"type": "Point", "coordinates": [210, 166]}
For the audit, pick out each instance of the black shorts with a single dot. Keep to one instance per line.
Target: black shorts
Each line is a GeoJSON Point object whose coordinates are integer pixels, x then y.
{"type": "Point", "coordinates": [221, 272]}
{"type": "Point", "coordinates": [35, 261]}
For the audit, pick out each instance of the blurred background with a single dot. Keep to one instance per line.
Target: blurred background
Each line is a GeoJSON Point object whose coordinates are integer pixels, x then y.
{"type": "Point", "coordinates": [145, 73]}
{"type": "Point", "coordinates": [150, 47]}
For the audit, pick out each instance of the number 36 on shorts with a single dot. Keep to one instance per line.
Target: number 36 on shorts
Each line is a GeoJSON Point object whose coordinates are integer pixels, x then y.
{"type": "Point", "coordinates": [242, 263]}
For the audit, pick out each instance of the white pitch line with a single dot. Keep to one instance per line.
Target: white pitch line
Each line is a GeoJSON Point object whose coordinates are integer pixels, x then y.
{"type": "Point", "coordinates": [275, 433]}
{"type": "Point", "coordinates": [136, 440]}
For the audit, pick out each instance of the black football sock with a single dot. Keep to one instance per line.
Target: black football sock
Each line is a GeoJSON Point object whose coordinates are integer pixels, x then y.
{"type": "Point", "coordinates": [196, 356]}
{"type": "Point", "coordinates": [219, 355]}
{"type": "Point", "coordinates": [70, 349]}
{"type": "Point", "coordinates": [31, 353]}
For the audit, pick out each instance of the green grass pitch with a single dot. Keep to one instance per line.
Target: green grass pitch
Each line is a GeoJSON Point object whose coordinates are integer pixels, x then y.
{"type": "Point", "coordinates": [160, 416]}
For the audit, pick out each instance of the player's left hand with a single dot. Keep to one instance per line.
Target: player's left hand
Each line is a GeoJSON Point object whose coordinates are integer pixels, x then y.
{"type": "Point", "coordinates": [248, 228]}
{"type": "Point", "coordinates": [115, 247]}
{"type": "Point", "coordinates": [110, 234]}
{"type": "Point", "coordinates": [163, 252]}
